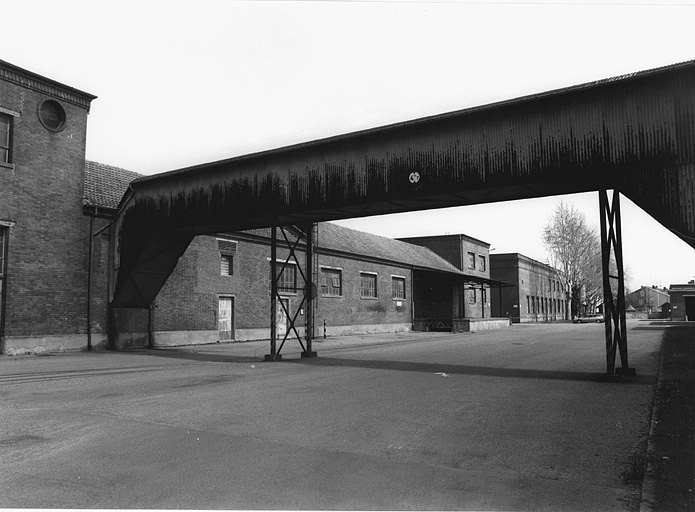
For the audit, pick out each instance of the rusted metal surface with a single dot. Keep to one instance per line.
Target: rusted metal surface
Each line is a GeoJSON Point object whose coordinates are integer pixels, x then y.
{"type": "Point", "coordinates": [632, 133]}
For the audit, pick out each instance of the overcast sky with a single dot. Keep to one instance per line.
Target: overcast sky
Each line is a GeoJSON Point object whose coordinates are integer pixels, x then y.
{"type": "Point", "coordinates": [185, 82]}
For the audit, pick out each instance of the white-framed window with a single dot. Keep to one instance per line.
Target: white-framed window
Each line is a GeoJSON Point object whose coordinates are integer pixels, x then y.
{"type": "Point", "coordinates": [471, 260]}
{"type": "Point", "coordinates": [5, 138]}
{"type": "Point", "coordinates": [286, 275]}
{"type": "Point", "coordinates": [331, 282]}
{"type": "Point", "coordinates": [482, 264]}
{"type": "Point", "coordinates": [398, 287]}
{"type": "Point", "coordinates": [368, 285]}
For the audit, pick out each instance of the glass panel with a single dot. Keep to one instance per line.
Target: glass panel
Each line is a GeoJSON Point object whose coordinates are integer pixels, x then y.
{"type": "Point", "coordinates": [368, 285]}
{"type": "Point", "coordinates": [330, 282]}
{"type": "Point", "coordinates": [4, 139]}
{"type": "Point", "coordinates": [4, 123]}
{"type": "Point", "coordinates": [287, 281]}
{"type": "Point", "coordinates": [3, 155]}
{"type": "Point", "coordinates": [398, 288]}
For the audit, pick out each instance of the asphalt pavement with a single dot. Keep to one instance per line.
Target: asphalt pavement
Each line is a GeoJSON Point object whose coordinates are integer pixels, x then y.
{"type": "Point", "coordinates": [518, 419]}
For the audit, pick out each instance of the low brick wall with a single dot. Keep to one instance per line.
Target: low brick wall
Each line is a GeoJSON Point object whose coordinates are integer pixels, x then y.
{"type": "Point", "coordinates": [480, 324]}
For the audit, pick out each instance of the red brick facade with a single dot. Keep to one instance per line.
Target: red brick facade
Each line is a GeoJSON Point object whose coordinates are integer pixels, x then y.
{"type": "Point", "coordinates": [41, 190]}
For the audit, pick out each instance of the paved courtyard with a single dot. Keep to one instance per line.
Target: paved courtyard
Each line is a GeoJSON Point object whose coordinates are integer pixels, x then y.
{"type": "Point", "coordinates": [519, 419]}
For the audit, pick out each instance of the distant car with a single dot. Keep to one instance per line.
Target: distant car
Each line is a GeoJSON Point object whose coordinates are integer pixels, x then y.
{"type": "Point", "coordinates": [598, 318]}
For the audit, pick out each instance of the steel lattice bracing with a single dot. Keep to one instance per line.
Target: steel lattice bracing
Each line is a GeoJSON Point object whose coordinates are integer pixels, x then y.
{"type": "Point", "coordinates": [633, 134]}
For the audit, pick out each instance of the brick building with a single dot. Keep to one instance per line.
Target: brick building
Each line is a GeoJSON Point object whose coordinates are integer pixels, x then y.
{"type": "Point", "coordinates": [535, 294]}
{"type": "Point", "coordinates": [43, 232]}
{"type": "Point", "coordinates": [683, 301]}
{"type": "Point", "coordinates": [471, 256]}
{"type": "Point", "coordinates": [364, 282]}
{"type": "Point", "coordinates": [57, 254]}
{"type": "Point", "coordinates": [649, 299]}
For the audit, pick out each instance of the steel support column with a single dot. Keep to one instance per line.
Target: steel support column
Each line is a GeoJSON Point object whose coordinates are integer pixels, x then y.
{"type": "Point", "coordinates": [274, 355]}
{"type": "Point", "coordinates": [308, 290]}
{"type": "Point", "coordinates": [613, 302]}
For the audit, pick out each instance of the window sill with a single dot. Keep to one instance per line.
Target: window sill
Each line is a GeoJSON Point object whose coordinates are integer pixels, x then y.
{"type": "Point", "coordinates": [369, 298]}
{"type": "Point", "coordinates": [7, 166]}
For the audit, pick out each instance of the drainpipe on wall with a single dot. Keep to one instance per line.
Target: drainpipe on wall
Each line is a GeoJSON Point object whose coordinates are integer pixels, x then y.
{"type": "Point", "coordinates": [89, 279]}
{"type": "Point", "coordinates": [90, 271]}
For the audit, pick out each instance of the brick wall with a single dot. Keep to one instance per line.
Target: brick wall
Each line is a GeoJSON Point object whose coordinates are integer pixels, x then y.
{"type": "Point", "coordinates": [188, 302]}
{"type": "Point", "coordinates": [41, 196]}
{"type": "Point", "coordinates": [536, 293]}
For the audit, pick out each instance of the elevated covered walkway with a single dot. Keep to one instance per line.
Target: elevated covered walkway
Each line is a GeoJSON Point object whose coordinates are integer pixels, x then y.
{"type": "Point", "coordinates": [633, 134]}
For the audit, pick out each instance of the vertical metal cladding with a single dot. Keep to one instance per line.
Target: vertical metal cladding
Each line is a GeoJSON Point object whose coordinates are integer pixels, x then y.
{"type": "Point", "coordinates": [635, 134]}
{"type": "Point", "coordinates": [588, 135]}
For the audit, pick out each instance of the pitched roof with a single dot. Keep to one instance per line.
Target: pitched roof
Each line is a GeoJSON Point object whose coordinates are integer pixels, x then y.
{"type": "Point", "coordinates": [104, 185]}
{"type": "Point", "coordinates": [335, 238]}
{"type": "Point", "coordinates": [340, 238]}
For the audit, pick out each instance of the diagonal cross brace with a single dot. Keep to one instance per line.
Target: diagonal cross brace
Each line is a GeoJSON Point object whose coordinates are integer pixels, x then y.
{"type": "Point", "coordinates": [614, 306]}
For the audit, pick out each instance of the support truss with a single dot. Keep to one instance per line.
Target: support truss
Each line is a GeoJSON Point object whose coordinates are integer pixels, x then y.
{"type": "Point", "coordinates": [613, 285]}
{"type": "Point", "coordinates": [292, 236]}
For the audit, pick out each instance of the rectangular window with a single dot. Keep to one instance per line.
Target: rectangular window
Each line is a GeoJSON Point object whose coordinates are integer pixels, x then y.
{"type": "Point", "coordinates": [227, 250]}
{"type": "Point", "coordinates": [484, 295]}
{"type": "Point", "coordinates": [286, 277]}
{"type": "Point", "coordinates": [226, 265]}
{"type": "Point", "coordinates": [398, 287]}
{"type": "Point", "coordinates": [472, 298]}
{"type": "Point", "coordinates": [367, 285]}
{"type": "Point", "coordinates": [331, 282]}
{"type": "Point", "coordinates": [471, 260]}
{"type": "Point", "coordinates": [481, 263]}
{"type": "Point", "coordinates": [5, 138]}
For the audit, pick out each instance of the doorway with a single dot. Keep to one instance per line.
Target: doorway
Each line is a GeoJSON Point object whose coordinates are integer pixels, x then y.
{"type": "Point", "coordinates": [281, 320]}
{"type": "Point", "coordinates": [690, 308]}
{"type": "Point", "coordinates": [225, 318]}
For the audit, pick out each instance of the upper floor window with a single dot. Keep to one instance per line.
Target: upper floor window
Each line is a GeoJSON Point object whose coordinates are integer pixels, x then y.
{"type": "Point", "coordinates": [331, 282]}
{"type": "Point", "coordinates": [471, 260]}
{"type": "Point", "coordinates": [368, 285]}
{"type": "Point", "coordinates": [398, 287]}
{"type": "Point", "coordinates": [481, 263]}
{"type": "Point", "coordinates": [5, 138]}
{"type": "Point", "coordinates": [227, 250]}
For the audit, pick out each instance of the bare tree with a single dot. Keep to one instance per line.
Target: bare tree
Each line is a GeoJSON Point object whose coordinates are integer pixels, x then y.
{"type": "Point", "coordinates": [574, 249]}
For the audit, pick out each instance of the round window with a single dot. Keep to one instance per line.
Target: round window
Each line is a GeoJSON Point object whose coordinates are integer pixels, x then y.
{"type": "Point", "coordinates": [52, 115]}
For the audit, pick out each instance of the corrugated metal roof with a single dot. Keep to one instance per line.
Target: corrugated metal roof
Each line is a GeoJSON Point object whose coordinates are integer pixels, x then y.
{"type": "Point", "coordinates": [104, 185]}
